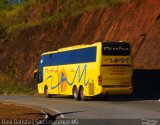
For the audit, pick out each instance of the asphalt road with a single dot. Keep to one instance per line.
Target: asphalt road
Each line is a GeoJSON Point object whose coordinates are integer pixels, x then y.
{"type": "Point", "coordinates": [112, 111]}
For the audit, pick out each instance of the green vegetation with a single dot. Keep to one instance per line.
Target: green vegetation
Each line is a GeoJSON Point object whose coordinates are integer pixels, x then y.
{"type": "Point", "coordinates": [2, 31]}
{"type": "Point", "coordinates": [3, 5]}
{"type": "Point", "coordinates": [35, 12]}
{"type": "Point", "coordinates": [8, 86]}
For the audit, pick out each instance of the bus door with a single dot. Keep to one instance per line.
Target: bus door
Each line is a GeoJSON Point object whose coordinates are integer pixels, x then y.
{"type": "Point", "coordinates": [55, 76]}
{"type": "Point", "coordinates": [62, 58]}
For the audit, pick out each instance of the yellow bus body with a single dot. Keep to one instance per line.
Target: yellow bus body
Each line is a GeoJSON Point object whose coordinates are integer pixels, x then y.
{"type": "Point", "coordinates": [115, 79]}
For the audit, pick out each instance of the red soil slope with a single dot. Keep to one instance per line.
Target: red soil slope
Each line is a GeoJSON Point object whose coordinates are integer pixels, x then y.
{"type": "Point", "coordinates": [137, 22]}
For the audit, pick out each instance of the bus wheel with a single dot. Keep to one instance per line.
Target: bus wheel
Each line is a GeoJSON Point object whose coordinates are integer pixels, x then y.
{"type": "Point", "coordinates": [82, 96]}
{"type": "Point", "coordinates": [75, 93]}
{"type": "Point", "coordinates": [46, 94]}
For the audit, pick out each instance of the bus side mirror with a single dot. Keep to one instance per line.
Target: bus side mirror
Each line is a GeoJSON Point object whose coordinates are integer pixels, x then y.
{"type": "Point", "coordinates": [36, 75]}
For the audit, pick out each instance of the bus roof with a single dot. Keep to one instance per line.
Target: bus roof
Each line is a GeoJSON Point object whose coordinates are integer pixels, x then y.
{"type": "Point", "coordinates": [71, 48]}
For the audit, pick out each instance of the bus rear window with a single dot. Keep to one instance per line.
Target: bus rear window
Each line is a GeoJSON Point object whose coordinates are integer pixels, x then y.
{"type": "Point", "coordinates": [116, 48]}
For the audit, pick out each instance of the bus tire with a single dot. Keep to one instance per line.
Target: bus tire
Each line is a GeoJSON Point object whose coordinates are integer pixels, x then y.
{"type": "Point", "coordinates": [76, 93]}
{"type": "Point", "coordinates": [82, 96]}
{"type": "Point", "coordinates": [46, 94]}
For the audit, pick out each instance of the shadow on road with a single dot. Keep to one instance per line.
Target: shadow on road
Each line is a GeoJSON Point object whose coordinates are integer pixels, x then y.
{"type": "Point", "coordinates": [146, 84]}
{"type": "Point", "coordinates": [146, 87]}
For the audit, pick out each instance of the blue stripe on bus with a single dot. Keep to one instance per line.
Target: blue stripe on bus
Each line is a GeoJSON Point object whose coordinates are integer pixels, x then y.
{"type": "Point", "coordinates": [84, 55]}
{"type": "Point", "coordinates": [69, 57]}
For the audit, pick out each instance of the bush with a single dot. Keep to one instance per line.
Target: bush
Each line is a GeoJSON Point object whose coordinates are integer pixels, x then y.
{"type": "Point", "coordinates": [31, 12]}
{"type": "Point", "coordinates": [8, 86]}
{"type": "Point", "coordinates": [3, 4]}
{"type": "Point", "coordinates": [2, 31]}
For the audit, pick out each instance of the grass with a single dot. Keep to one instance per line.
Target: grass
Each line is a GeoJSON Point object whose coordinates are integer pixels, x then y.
{"type": "Point", "coordinates": [8, 86]}
{"type": "Point", "coordinates": [2, 31]}
{"type": "Point", "coordinates": [35, 12]}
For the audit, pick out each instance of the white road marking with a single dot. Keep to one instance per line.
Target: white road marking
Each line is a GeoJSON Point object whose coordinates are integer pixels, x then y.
{"type": "Point", "coordinates": [62, 116]}
{"type": "Point", "coordinates": [46, 116]}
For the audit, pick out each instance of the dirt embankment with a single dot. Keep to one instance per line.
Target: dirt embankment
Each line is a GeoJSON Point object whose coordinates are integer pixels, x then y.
{"type": "Point", "coordinates": [11, 114]}
{"type": "Point", "coordinates": [137, 22]}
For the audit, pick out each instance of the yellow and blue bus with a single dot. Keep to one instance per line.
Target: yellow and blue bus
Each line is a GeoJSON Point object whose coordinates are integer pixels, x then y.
{"type": "Point", "coordinates": [86, 70]}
